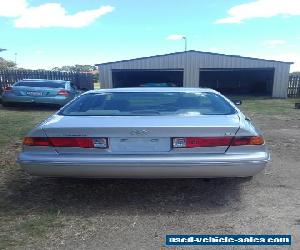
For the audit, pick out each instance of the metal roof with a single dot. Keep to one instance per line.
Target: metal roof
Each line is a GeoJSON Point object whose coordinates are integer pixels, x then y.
{"type": "Point", "coordinates": [200, 52]}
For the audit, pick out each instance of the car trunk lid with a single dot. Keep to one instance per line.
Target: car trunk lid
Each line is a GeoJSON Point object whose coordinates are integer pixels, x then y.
{"type": "Point", "coordinates": [143, 134]}
{"type": "Point", "coordinates": [35, 91]}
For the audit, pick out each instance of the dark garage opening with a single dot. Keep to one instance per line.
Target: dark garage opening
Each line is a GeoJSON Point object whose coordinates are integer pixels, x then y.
{"type": "Point", "coordinates": [135, 78]}
{"type": "Point", "coordinates": [256, 82]}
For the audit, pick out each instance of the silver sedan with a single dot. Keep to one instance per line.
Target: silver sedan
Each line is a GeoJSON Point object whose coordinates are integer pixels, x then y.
{"type": "Point", "coordinates": [146, 133]}
{"type": "Point", "coordinates": [39, 91]}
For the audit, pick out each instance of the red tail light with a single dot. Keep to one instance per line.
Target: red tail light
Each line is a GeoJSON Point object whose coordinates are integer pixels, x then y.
{"type": "Point", "coordinates": [63, 92]}
{"type": "Point", "coordinates": [8, 89]}
{"type": "Point", "coordinates": [71, 142]}
{"type": "Point", "coordinates": [194, 142]}
{"type": "Point", "coordinates": [81, 142]}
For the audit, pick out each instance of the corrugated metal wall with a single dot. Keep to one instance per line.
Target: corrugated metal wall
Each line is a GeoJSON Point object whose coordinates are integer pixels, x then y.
{"type": "Point", "coordinates": [192, 62]}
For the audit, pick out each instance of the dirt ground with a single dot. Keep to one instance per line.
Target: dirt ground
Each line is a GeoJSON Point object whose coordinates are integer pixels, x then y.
{"type": "Point", "coordinates": [45, 213]}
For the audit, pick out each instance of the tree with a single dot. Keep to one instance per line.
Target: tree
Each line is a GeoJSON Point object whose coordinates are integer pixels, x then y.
{"type": "Point", "coordinates": [80, 68]}
{"type": "Point", "coordinates": [77, 67]}
{"type": "Point", "coordinates": [6, 64]}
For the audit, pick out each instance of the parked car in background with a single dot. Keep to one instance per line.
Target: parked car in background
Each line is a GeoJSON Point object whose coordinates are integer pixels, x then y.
{"type": "Point", "coordinates": [40, 91]}
{"type": "Point", "coordinates": [146, 132]}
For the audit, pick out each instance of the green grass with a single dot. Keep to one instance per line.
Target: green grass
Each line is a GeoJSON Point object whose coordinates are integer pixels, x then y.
{"type": "Point", "coordinates": [15, 123]}
{"type": "Point", "coordinates": [30, 229]}
{"type": "Point", "coordinates": [16, 230]}
{"type": "Point", "coordinates": [271, 107]}
{"type": "Point", "coordinates": [38, 225]}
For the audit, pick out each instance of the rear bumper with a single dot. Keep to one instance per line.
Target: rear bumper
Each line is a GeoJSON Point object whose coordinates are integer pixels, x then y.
{"type": "Point", "coordinates": [144, 166]}
{"type": "Point", "coordinates": [58, 100]}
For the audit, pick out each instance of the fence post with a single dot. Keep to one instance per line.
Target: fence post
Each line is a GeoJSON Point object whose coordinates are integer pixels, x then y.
{"type": "Point", "coordinates": [294, 86]}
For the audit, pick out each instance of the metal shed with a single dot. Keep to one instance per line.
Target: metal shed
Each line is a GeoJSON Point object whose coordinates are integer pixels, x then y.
{"type": "Point", "coordinates": [229, 74]}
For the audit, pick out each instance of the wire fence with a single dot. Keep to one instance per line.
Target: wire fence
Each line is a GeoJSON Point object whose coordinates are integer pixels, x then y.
{"type": "Point", "coordinates": [294, 86]}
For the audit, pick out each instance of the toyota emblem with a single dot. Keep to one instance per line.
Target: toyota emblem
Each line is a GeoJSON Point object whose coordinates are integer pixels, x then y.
{"type": "Point", "coordinates": [139, 132]}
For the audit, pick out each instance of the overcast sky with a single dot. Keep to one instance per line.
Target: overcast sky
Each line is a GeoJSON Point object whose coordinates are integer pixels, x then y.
{"type": "Point", "coordinates": [49, 33]}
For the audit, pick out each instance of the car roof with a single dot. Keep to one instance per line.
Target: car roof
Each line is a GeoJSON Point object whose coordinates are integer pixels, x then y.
{"type": "Point", "coordinates": [154, 89]}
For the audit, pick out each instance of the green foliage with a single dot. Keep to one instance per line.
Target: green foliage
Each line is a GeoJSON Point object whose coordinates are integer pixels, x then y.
{"type": "Point", "coordinates": [77, 67]}
{"type": "Point", "coordinates": [96, 77]}
{"type": "Point", "coordinates": [80, 68]}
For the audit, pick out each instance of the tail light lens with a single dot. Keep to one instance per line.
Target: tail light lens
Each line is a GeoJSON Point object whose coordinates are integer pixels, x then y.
{"type": "Point", "coordinates": [8, 89]}
{"type": "Point", "coordinates": [194, 142]}
{"type": "Point", "coordinates": [71, 142]}
{"type": "Point", "coordinates": [36, 141]}
{"type": "Point", "coordinates": [247, 140]}
{"type": "Point", "coordinates": [63, 92]}
{"type": "Point", "coordinates": [80, 142]}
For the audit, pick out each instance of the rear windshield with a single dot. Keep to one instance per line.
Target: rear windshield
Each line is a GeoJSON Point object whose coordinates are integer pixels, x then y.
{"type": "Point", "coordinates": [148, 104]}
{"type": "Point", "coordinates": [41, 84]}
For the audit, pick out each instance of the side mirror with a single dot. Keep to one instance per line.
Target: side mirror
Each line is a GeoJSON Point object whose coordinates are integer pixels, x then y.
{"type": "Point", "coordinates": [237, 102]}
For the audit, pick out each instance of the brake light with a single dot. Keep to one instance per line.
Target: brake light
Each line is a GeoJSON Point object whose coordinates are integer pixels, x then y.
{"type": "Point", "coordinates": [80, 142]}
{"type": "Point", "coordinates": [194, 142]}
{"type": "Point", "coordinates": [8, 89]}
{"type": "Point", "coordinates": [247, 140]}
{"type": "Point", "coordinates": [71, 142]}
{"type": "Point", "coordinates": [63, 92]}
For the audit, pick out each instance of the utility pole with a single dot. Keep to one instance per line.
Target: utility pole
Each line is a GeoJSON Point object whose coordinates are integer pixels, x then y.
{"type": "Point", "coordinates": [16, 57]}
{"type": "Point", "coordinates": [185, 43]}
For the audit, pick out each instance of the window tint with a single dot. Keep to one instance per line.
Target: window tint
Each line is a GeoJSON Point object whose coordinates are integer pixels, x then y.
{"type": "Point", "coordinates": [148, 103]}
{"type": "Point", "coordinates": [41, 84]}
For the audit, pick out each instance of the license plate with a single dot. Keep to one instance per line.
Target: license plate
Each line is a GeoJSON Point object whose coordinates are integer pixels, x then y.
{"type": "Point", "coordinates": [33, 93]}
{"type": "Point", "coordinates": [140, 144]}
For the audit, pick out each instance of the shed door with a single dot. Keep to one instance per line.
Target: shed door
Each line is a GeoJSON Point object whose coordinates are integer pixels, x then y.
{"type": "Point", "coordinates": [254, 81]}
{"type": "Point", "coordinates": [137, 78]}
